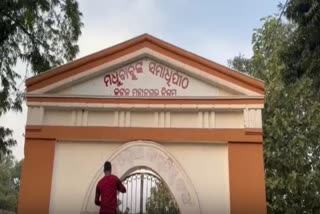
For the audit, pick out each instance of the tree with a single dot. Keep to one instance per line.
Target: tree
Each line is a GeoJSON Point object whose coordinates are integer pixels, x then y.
{"type": "Point", "coordinates": [39, 33]}
{"type": "Point", "coordinates": [303, 54]}
{"type": "Point", "coordinates": [241, 63]}
{"type": "Point", "coordinates": [6, 139]}
{"type": "Point", "coordinates": [10, 171]}
{"type": "Point", "coordinates": [16, 174]}
{"type": "Point", "coordinates": [291, 123]}
{"type": "Point", "coordinates": [119, 211]}
{"type": "Point", "coordinates": [161, 201]}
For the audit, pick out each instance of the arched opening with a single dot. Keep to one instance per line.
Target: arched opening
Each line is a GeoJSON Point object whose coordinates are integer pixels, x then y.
{"type": "Point", "coordinates": [134, 155]}
{"type": "Point", "coordinates": [146, 193]}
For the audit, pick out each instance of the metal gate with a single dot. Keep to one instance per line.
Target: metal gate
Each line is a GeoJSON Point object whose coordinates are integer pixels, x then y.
{"type": "Point", "coordinates": [146, 193]}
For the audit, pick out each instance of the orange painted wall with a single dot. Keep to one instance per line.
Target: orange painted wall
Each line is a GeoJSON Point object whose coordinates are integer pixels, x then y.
{"type": "Point", "coordinates": [34, 196]}
{"type": "Point", "coordinates": [246, 169]}
{"type": "Point", "coordinates": [246, 173]}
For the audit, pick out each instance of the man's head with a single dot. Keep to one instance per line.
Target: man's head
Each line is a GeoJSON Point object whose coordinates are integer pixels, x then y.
{"type": "Point", "coordinates": [107, 167]}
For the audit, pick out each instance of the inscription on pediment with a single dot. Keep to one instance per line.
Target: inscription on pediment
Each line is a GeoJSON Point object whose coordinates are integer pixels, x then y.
{"type": "Point", "coordinates": [145, 78]}
{"type": "Point", "coordinates": [165, 81]}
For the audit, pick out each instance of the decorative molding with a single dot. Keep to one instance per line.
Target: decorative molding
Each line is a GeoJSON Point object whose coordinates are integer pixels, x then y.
{"type": "Point", "coordinates": [212, 120]}
{"type": "Point", "coordinates": [127, 119]}
{"type": "Point", "coordinates": [167, 120]}
{"type": "Point", "coordinates": [145, 106]}
{"type": "Point", "coordinates": [84, 117]}
{"type": "Point", "coordinates": [122, 134]}
{"type": "Point", "coordinates": [253, 118]}
{"type": "Point", "coordinates": [159, 116]}
{"type": "Point", "coordinates": [222, 97]}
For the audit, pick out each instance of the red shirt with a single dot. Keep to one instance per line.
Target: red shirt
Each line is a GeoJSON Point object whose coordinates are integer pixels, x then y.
{"type": "Point", "coordinates": [107, 190]}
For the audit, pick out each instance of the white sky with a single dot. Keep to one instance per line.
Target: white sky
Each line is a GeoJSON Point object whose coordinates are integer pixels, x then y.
{"type": "Point", "coordinates": [217, 30]}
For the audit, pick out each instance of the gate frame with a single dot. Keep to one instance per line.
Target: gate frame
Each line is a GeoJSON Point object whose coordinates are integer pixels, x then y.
{"type": "Point", "coordinates": [142, 184]}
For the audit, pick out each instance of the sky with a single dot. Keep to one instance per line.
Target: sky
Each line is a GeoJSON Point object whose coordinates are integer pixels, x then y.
{"type": "Point", "coordinates": [214, 29]}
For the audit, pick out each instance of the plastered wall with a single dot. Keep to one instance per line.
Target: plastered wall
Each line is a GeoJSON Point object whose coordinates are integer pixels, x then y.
{"type": "Point", "coordinates": [76, 164]}
{"type": "Point", "coordinates": [171, 118]}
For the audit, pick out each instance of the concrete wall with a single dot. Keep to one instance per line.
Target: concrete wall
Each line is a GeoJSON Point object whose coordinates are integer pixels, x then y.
{"type": "Point", "coordinates": [76, 164]}
{"type": "Point", "coordinates": [171, 118]}
{"type": "Point", "coordinates": [207, 167]}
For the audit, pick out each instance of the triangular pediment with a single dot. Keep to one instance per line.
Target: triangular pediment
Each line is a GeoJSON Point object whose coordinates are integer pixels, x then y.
{"type": "Point", "coordinates": [144, 67]}
{"type": "Point", "coordinates": [144, 77]}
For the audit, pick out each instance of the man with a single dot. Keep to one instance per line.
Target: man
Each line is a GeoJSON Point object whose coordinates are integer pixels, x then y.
{"type": "Point", "coordinates": [107, 190]}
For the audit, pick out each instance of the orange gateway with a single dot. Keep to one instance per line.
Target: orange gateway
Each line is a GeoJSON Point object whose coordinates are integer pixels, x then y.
{"type": "Point", "coordinates": [183, 133]}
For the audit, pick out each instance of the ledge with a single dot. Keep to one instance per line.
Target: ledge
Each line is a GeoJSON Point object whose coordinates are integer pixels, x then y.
{"type": "Point", "coordinates": [124, 134]}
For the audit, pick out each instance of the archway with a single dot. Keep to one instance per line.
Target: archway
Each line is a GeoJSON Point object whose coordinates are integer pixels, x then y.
{"type": "Point", "coordinates": [151, 155]}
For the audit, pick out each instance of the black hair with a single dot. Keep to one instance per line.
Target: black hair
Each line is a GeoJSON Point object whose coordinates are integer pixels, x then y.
{"type": "Point", "coordinates": [107, 166]}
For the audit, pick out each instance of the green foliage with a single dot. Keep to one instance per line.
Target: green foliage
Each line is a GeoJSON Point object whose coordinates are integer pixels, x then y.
{"type": "Point", "coordinates": [303, 55]}
{"type": "Point", "coordinates": [291, 123]}
{"type": "Point", "coordinates": [40, 33]}
{"type": "Point", "coordinates": [126, 211]}
{"type": "Point", "coordinates": [5, 140]}
{"type": "Point", "coordinates": [161, 201]}
{"type": "Point", "coordinates": [9, 183]}
{"type": "Point", "coordinates": [242, 64]}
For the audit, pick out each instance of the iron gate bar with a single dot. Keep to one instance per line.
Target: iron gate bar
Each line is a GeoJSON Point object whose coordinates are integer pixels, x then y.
{"type": "Point", "coordinates": [149, 184]}
{"type": "Point", "coordinates": [141, 193]}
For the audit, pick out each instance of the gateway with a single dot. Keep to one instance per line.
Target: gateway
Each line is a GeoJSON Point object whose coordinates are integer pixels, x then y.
{"type": "Point", "coordinates": [156, 112]}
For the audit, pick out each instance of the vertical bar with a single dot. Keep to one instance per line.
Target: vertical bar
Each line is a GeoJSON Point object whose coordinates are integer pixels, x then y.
{"type": "Point", "coordinates": [200, 119]}
{"type": "Point", "coordinates": [156, 119]}
{"type": "Point", "coordinates": [136, 198]}
{"type": "Point", "coordinates": [212, 120]}
{"type": "Point", "coordinates": [127, 196]}
{"type": "Point", "coordinates": [147, 189]}
{"type": "Point", "coordinates": [84, 121]}
{"type": "Point", "coordinates": [152, 186]}
{"type": "Point", "coordinates": [41, 115]}
{"type": "Point", "coordinates": [167, 120]}
{"type": "Point", "coordinates": [122, 202]}
{"type": "Point", "coordinates": [131, 195]}
{"type": "Point", "coordinates": [116, 119]}
{"type": "Point", "coordinates": [127, 119]}
{"type": "Point", "coordinates": [158, 189]}
{"type": "Point", "coordinates": [141, 194]}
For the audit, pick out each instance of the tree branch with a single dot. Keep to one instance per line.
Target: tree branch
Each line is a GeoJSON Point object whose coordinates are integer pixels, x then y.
{"type": "Point", "coordinates": [33, 38]}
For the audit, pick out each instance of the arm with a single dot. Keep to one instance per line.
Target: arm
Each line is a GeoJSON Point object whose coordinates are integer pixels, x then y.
{"type": "Point", "coordinates": [97, 198]}
{"type": "Point", "coordinates": [121, 187]}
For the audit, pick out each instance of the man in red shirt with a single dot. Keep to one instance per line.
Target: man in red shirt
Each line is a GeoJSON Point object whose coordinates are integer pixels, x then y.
{"type": "Point", "coordinates": [106, 191]}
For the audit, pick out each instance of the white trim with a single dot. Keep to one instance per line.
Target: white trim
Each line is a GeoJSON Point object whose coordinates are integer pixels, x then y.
{"type": "Point", "coordinates": [194, 107]}
{"type": "Point", "coordinates": [231, 97]}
